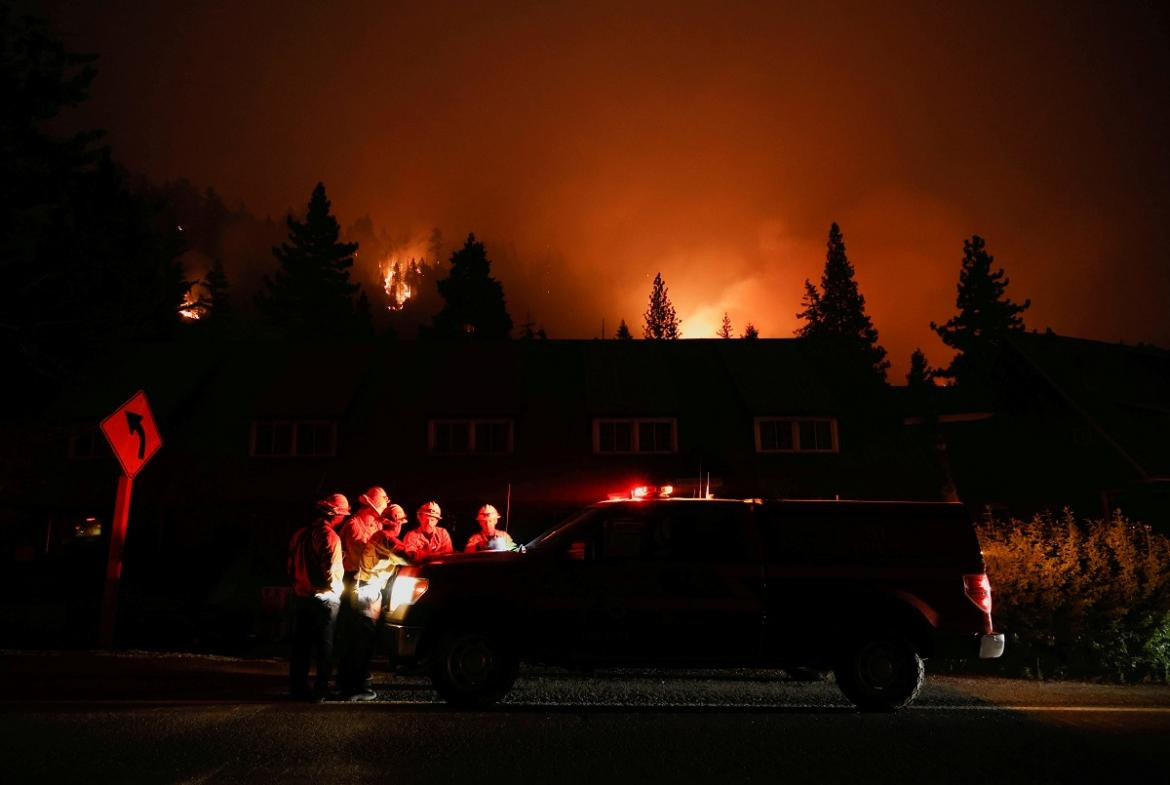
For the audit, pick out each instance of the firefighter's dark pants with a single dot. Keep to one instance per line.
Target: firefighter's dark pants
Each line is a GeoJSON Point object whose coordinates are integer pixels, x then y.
{"type": "Point", "coordinates": [357, 641]}
{"type": "Point", "coordinates": [314, 624]}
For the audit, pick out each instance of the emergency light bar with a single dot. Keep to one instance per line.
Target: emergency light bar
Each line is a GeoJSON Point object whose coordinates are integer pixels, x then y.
{"type": "Point", "coordinates": [640, 492]}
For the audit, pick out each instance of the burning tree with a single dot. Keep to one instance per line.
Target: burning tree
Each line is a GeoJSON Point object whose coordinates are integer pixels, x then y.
{"type": "Point", "coordinates": [396, 284]}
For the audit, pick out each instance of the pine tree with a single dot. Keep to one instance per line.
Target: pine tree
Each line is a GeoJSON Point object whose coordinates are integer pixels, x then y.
{"type": "Point", "coordinates": [661, 323]}
{"type": "Point", "coordinates": [311, 295]}
{"type": "Point", "coordinates": [921, 375]}
{"type": "Point", "coordinates": [475, 306]}
{"type": "Point", "coordinates": [986, 316]}
{"type": "Point", "coordinates": [750, 332]}
{"type": "Point", "coordinates": [725, 329]}
{"type": "Point", "coordinates": [623, 332]}
{"type": "Point", "coordinates": [424, 302]}
{"type": "Point", "coordinates": [414, 274]}
{"type": "Point", "coordinates": [529, 331]}
{"type": "Point", "coordinates": [435, 246]}
{"type": "Point", "coordinates": [398, 287]}
{"type": "Point", "coordinates": [86, 256]}
{"type": "Point", "coordinates": [219, 302]}
{"type": "Point", "coordinates": [838, 310]}
{"type": "Point", "coordinates": [528, 328]}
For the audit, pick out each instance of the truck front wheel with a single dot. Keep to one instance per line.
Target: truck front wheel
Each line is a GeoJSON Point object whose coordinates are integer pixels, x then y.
{"type": "Point", "coordinates": [880, 674]}
{"type": "Point", "coordinates": [472, 668]}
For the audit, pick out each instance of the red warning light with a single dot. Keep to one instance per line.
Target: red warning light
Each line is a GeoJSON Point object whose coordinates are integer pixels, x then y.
{"type": "Point", "coordinates": [640, 492]}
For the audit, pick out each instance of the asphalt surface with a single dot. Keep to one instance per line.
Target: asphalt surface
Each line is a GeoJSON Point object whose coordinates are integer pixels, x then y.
{"type": "Point", "coordinates": [86, 717]}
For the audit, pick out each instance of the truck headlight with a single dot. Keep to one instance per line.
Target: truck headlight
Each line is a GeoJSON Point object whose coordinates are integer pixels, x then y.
{"type": "Point", "coordinates": [406, 590]}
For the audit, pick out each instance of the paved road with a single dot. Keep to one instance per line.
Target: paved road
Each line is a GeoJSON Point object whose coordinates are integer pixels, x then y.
{"type": "Point", "coordinates": [85, 718]}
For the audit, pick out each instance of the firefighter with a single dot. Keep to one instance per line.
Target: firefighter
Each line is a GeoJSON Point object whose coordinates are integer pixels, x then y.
{"type": "Point", "coordinates": [355, 532]}
{"type": "Point", "coordinates": [314, 564]}
{"type": "Point", "coordinates": [385, 550]}
{"type": "Point", "coordinates": [359, 527]}
{"type": "Point", "coordinates": [428, 539]}
{"type": "Point", "coordinates": [488, 538]}
{"type": "Point", "coordinates": [380, 559]}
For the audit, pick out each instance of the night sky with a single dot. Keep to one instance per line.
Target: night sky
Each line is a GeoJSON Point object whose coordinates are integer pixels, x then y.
{"type": "Point", "coordinates": [591, 145]}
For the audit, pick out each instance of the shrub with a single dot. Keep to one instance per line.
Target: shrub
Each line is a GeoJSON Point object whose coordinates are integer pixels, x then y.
{"type": "Point", "coordinates": [1081, 598]}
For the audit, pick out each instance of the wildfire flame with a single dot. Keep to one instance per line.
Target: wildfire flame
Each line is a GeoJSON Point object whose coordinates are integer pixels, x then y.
{"type": "Point", "coordinates": [394, 282]}
{"type": "Point", "coordinates": [192, 309]}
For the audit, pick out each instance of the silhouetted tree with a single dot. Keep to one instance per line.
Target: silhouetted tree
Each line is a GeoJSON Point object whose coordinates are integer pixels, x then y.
{"type": "Point", "coordinates": [660, 320]}
{"type": "Point", "coordinates": [529, 331]}
{"type": "Point", "coordinates": [414, 274]}
{"type": "Point", "coordinates": [218, 304]}
{"type": "Point", "coordinates": [425, 301]}
{"type": "Point", "coordinates": [920, 376]}
{"type": "Point", "coordinates": [84, 258]}
{"type": "Point", "coordinates": [838, 310]}
{"type": "Point", "coordinates": [623, 332]}
{"type": "Point", "coordinates": [363, 319]}
{"type": "Point", "coordinates": [435, 246]}
{"type": "Point", "coordinates": [986, 316]}
{"type": "Point", "coordinates": [725, 329]}
{"type": "Point", "coordinates": [311, 295]}
{"type": "Point", "coordinates": [750, 332]}
{"type": "Point", "coordinates": [475, 306]}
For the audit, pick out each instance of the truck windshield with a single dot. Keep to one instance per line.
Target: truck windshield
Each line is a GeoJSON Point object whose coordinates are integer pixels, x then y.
{"type": "Point", "coordinates": [554, 534]}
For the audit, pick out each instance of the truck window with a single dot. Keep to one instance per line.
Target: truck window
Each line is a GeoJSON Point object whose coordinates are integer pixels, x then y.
{"type": "Point", "coordinates": [699, 532]}
{"type": "Point", "coordinates": [623, 539]}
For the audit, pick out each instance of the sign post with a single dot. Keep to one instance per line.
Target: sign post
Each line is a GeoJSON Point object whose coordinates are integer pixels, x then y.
{"type": "Point", "coordinates": [134, 438]}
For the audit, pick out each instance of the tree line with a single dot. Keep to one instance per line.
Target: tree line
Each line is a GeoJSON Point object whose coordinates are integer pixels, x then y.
{"type": "Point", "coordinates": [89, 257]}
{"type": "Point", "coordinates": [834, 314]}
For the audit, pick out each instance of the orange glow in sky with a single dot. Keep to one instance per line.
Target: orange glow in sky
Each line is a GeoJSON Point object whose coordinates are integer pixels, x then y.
{"type": "Point", "coordinates": [592, 145]}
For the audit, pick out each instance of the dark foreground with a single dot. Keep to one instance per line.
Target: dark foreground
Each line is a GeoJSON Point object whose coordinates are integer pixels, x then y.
{"type": "Point", "coordinates": [139, 718]}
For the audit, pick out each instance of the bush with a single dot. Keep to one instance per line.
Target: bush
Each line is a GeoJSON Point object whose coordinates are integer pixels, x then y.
{"type": "Point", "coordinates": [1080, 598]}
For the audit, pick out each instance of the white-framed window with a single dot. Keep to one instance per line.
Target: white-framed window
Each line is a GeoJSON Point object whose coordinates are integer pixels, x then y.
{"type": "Point", "coordinates": [617, 436]}
{"type": "Point", "coordinates": [476, 436]}
{"type": "Point", "coordinates": [796, 434]}
{"type": "Point", "coordinates": [293, 439]}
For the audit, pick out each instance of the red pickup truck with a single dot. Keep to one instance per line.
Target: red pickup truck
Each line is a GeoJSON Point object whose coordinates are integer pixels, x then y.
{"type": "Point", "coordinates": [866, 589]}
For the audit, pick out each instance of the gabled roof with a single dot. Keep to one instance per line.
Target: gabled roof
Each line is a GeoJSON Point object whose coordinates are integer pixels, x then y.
{"type": "Point", "coordinates": [1122, 392]}
{"type": "Point", "coordinates": [277, 380]}
{"type": "Point", "coordinates": [301, 380]}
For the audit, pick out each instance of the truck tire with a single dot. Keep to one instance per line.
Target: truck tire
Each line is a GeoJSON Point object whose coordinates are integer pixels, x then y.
{"type": "Point", "coordinates": [880, 673]}
{"type": "Point", "coordinates": [472, 668]}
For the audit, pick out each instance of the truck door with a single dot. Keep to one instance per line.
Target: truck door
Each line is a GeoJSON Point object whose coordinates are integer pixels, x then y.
{"type": "Point", "coordinates": [679, 582]}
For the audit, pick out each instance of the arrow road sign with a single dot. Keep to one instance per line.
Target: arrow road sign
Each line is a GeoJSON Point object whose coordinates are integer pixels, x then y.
{"type": "Point", "coordinates": [132, 434]}
{"type": "Point", "coordinates": [134, 421]}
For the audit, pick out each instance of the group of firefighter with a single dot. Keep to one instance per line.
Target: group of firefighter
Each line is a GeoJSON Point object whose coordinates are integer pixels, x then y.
{"type": "Point", "coordinates": [341, 565]}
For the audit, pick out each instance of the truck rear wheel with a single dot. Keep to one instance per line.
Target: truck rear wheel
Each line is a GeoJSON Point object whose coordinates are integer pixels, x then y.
{"type": "Point", "coordinates": [880, 674]}
{"type": "Point", "coordinates": [472, 668]}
